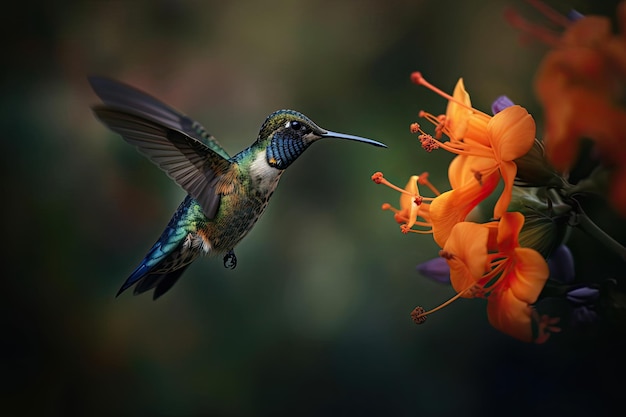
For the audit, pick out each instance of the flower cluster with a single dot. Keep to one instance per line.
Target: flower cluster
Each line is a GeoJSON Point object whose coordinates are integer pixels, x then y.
{"type": "Point", "coordinates": [517, 256]}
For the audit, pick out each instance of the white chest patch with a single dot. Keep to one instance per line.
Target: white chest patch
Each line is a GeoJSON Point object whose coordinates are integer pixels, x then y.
{"type": "Point", "coordinates": [264, 176]}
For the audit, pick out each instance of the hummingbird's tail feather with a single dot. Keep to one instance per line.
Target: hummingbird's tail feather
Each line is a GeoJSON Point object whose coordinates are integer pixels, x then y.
{"type": "Point", "coordinates": [160, 279]}
{"type": "Point", "coordinates": [168, 282]}
{"type": "Point", "coordinates": [139, 273]}
{"type": "Point", "coordinates": [161, 283]}
{"type": "Point", "coordinates": [177, 247]}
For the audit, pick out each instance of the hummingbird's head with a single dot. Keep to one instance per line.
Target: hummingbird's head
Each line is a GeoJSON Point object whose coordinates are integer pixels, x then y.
{"type": "Point", "coordinates": [287, 133]}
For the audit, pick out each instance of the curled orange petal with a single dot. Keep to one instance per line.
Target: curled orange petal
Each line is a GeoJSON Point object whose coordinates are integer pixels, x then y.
{"type": "Point", "coordinates": [510, 315]}
{"type": "Point", "coordinates": [467, 254]}
{"type": "Point", "coordinates": [453, 206]}
{"type": "Point", "coordinates": [531, 272]}
{"type": "Point", "coordinates": [512, 133]}
{"type": "Point", "coordinates": [508, 170]}
{"type": "Point", "coordinates": [457, 115]}
{"type": "Point", "coordinates": [509, 228]}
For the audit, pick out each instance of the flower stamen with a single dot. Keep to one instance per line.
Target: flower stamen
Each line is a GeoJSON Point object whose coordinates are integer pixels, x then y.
{"type": "Point", "coordinates": [418, 78]}
{"type": "Point", "coordinates": [420, 316]}
{"type": "Point", "coordinates": [438, 121]}
{"type": "Point", "coordinates": [423, 180]}
{"type": "Point", "coordinates": [454, 145]}
{"type": "Point", "coordinates": [378, 178]}
{"type": "Point", "coordinates": [405, 228]}
{"type": "Point", "coordinates": [429, 144]}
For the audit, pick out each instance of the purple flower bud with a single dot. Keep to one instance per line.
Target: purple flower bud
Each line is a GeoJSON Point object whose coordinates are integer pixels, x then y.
{"type": "Point", "coordinates": [436, 269]}
{"type": "Point", "coordinates": [500, 104]}
{"type": "Point", "coordinates": [574, 15]}
{"type": "Point", "coordinates": [583, 295]}
{"type": "Point", "coordinates": [583, 315]}
{"type": "Point", "coordinates": [561, 264]}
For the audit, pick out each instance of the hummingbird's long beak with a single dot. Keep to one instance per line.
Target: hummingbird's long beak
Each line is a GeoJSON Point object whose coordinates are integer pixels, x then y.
{"type": "Point", "coordinates": [330, 134]}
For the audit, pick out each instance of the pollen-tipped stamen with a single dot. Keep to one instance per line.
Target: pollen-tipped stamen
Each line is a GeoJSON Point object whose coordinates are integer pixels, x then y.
{"type": "Point", "coordinates": [423, 180]}
{"type": "Point", "coordinates": [430, 143]}
{"type": "Point", "coordinates": [422, 316]}
{"type": "Point", "coordinates": [418, 315]}
{"type": "Point", "coordinates": [404, 228]}
{"type": "Point", "coordinates": [408, 216]}
{"type": "Point", "coordinates": [430, 117]}
{"type": "Point", "coordinates": [419, 199]}
{"type": "Point", "coordinates": [427, 141]}
{"type": "Point", "coordinates": [378, 178]}
{"type": "Point", "coordinates": [418, 78]}
{"type": "Point", "coordinates": [405, 223]}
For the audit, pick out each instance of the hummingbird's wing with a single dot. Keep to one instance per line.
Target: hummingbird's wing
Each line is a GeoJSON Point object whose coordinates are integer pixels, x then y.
{"type": "Point", "coordinates": [122, 96]}
{"type": "Point", "coordinates": [188, 161]}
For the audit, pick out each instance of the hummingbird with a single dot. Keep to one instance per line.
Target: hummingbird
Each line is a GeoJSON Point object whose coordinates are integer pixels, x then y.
{"type": "Point", "coordinates": [225, 195]}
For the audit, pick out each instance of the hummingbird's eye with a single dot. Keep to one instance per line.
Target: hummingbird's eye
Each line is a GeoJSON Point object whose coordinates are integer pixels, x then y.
{"type": "Point", "coordinates": [295, 125]}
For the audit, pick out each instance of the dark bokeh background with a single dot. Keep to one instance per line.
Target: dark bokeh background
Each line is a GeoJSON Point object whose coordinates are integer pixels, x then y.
{"type": "Point", "coordinates": [315, 319]}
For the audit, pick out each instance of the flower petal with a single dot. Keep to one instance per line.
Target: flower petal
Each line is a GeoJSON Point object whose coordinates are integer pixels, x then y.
{"type": "Point", "coordinates": [457, 115]}
{"type": "Point", "coordinates": [530, 275]}
{"type": "Point", "coordinates": [464, 168]}
{"type": "Point", "coordinates": [512, 133]}
{"type": "Point", "coordinates": [467, 246]}
{"type": "Point", "coordinates": [406, 200]}
{"type": "Point", "coordinates": [508, 170]}
{"type": "Point", "coordinates": [453, 206]}
{"type": "Point", "coordinates": [508, 231]}
{"type": "Point", "coordinates": [510, 315]}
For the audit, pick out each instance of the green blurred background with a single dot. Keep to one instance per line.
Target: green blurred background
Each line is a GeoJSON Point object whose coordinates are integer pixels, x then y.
{"type": "Point", "coordinates": [315, 319]}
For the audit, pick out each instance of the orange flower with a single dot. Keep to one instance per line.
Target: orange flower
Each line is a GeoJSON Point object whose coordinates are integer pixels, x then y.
{"type": "Point", "coordinates": [580, 84]}
{"type": "Point", "coordinates": [413, 206]}
{"type": "Point", "coordinates": [477, 136]}
{"type": "Point", "coordinates": [453, 206]}
{"type": "Point", "coordinates": [523, 273]}
{"type": "Point", "coordinates": [459, 117]}
{"type": "Point", "coordinates": [486, 261]}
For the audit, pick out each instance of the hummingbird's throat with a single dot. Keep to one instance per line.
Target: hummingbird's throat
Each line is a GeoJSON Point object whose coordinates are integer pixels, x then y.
{"type": "Point", "coordinates": [281, 153]}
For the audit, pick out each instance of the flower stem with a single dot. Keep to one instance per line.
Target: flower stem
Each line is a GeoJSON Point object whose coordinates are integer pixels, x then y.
{"type": "Point", "coordinates": [597, 183]}
{"type": "Point", "coordinates": [588, 226]}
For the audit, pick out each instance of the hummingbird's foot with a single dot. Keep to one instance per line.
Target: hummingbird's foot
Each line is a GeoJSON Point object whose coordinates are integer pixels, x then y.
{"type": "Point", "coordinates": [230, 260]}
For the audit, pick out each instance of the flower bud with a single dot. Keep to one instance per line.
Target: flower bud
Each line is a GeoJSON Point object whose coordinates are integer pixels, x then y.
{"type": "Point", "coordinates": [534, 170]}
{"type": "Point", "coordinates": [545, 226]}
{"type": "Point", "coordinates": [436, 269]}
